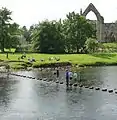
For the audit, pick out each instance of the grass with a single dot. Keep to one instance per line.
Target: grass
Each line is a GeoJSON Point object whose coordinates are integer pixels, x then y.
{"type": "Point", "coordinates": [80, 59]}
{"type": "Point", "coordinates": [108, 57]}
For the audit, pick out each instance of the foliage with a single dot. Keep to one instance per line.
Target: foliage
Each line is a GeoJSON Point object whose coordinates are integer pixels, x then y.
{"type": "Point", "coordinates": [68, 35]}
{"type": "Point", "coordinates": [92, 45]}
{"type": "Point", "coordinates": [27, 33]}
{"type": "Point", "coordinates": [14, 35]}
{"type": "Point", "coordinates": [8, 36]}
{"type": "Point", "coordinates": [76, 30]}
{"type": "Point", "coordinates": [4, 24]}
{"type": "Point", "coordinates": [109, 47]}
{"type": "Point", "coordinates": [48, 38]}
{"type": "Point", "coordinates": [60, 36]}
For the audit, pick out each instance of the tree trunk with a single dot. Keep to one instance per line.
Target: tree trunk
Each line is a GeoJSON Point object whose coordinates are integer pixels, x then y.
{"type": "Point", "coordinates": [2, 45]}
{"type": "Point", "coordinates": [77, 49]}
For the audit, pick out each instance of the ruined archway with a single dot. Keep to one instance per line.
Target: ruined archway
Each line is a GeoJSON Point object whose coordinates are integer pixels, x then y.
{"type": "Point", "coordinates": [100, 21]}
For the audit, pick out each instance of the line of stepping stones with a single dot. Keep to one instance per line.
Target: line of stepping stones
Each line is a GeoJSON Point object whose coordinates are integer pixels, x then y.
{"type": "Point", "coordinates": [75, 84]}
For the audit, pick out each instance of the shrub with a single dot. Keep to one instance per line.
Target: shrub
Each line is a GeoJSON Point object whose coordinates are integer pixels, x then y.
{"type": "Point", "coordinates": [92, 45]}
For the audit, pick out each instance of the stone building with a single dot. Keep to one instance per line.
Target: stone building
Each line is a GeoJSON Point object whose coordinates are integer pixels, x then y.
{"type": "Point", "coordinates": [106, 32]}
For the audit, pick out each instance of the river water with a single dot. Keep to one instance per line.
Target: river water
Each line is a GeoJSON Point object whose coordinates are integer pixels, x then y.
{"type": "Point", "coordinates": [27, 99]}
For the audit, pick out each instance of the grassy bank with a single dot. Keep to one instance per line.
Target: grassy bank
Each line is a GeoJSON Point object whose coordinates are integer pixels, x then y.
{"type": "Point", "coordinates": [80, 59]}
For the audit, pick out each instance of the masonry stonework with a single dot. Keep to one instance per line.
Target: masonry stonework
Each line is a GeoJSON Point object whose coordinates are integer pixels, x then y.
{"type": "Point", "coordinates": [106, 32]}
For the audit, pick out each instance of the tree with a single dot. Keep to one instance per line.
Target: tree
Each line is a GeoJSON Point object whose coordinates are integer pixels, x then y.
{"type": "Point", "coordinates": [27, 33]}
{"type": "Point", "coordinates": [35, 38]}
{"type": "Point", "coordinates": [48, 37]}
{"type": "Point", "coordinates": [76, 31]}
{"type": "Point", "coordinates": [4, 26]}
{"type": "Point", "coordinates": [14, 34]}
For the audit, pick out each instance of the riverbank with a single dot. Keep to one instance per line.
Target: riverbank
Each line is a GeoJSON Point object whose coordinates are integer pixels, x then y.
{"type": "Point", "coordinates": [97, 59]}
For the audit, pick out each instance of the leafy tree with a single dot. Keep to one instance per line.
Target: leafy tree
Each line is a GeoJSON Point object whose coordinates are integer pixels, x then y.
{"type": "Point", "coordinates": [8, 32]}
{"type": "Point", "coordinates": [27, 33]}
{"type": "Point", "coordinates": [48, 37]}
{"type": "Point", "coordinates": [35, 38]}
{"type": "Point", "coordinates": [4, 26]}
{"type": "Point", "coordinates": [76, 31]}
{"type": "Point", "coordinates": [14, 36]}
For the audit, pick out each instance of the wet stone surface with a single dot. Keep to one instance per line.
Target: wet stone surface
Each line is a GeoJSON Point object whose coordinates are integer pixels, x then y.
{"type": "Point", "coordinates": [22, 98]}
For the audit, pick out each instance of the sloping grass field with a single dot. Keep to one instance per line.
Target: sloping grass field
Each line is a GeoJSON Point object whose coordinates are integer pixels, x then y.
{"type": "Point", "coordinates": [79, 59]}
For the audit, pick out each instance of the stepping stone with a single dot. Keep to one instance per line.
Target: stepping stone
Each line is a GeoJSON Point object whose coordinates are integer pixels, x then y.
{"type": "Point", "coordinates": [86, 87]}
{"type": "Point", "coordinates": [91, 87]}
{"type": "Point", "coordinates": [81, 86]}
{"type": "Point", "coordinates": [70, 84]}
{"type": "Point", "coordinates": [97, 88]}
{"type": "Point", "coordinates": [50, 79]}
{"type": "Point", "coordinates": [44, 79]}
{"type": "Point", "coordinates": [40, 78]}
{"type": "Point", "coordinates": [110, 91]}
{"type": "Point", "coordinates": [104, 89]}
{"type": "Point", "coordinates": [30, 77]}
{"type": "Point", "coordinates": [61, 82]}
{"type": "Point", "coordinates": [75, 84]}
{"type": "Point", "coordinates": [57, 81]}
{"type": "Point", "coordinates": [116, 92]}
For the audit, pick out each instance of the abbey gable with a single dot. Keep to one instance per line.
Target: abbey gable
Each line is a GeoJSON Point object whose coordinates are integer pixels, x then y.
{"type": "Point", "coordinates": [106, 32]}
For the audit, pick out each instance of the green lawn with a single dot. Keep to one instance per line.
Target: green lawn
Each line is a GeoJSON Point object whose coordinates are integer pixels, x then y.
{"type": "Point", "coordinates": [81, 59]}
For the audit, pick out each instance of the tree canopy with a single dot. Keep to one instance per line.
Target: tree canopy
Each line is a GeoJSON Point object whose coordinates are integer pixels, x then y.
{"type": "Point", "coordinates": [63, 36]}
{"type": "Point", "coordinates": [68, 35]}
{"type": "Point", "coordinates": [8, 31]}
{"type": "Point", "coordinates": [47, 37]}
{"type": "Point", "coordinates": [76, 31]}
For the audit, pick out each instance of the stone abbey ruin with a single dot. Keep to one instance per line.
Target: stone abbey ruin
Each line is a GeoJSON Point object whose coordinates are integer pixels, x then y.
{"type": "Point", "coordinates": [105, 32]}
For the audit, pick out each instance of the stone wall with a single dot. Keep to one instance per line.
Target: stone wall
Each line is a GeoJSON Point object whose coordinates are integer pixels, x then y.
{"type": "Point", "coordinates": [110, 32]}
{"type": "Point", "coordinates": [106, 32]}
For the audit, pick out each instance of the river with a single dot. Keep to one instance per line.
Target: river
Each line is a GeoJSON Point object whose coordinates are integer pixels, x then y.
{"type": "Point", "coordinates": [31, 99]}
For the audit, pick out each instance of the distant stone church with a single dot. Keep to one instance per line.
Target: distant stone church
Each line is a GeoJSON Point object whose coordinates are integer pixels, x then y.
{"type": "Point", "coordinates": [106, 32]}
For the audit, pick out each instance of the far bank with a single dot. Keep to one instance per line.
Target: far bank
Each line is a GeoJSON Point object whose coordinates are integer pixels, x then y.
{"type": "Point", "coordinates": [48, 60]}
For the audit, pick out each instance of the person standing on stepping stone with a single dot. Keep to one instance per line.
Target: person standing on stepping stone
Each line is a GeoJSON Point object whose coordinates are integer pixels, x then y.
{"type": "Point", "coordinates": [75, 76]}
{"type": "Point", "coordinates": [57, 72]}
{"type": "Point", "coordinates": [70, 75]}
{"type": "Point", "coordinates": [67, 77]}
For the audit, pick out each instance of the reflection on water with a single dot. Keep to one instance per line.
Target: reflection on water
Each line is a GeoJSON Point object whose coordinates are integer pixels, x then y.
{"type": "Point", "coordinates": [26, 99]}
{"type": "Point", "coordinates": [101, 76]}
